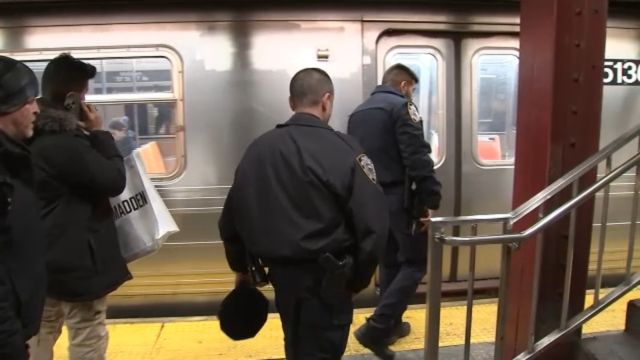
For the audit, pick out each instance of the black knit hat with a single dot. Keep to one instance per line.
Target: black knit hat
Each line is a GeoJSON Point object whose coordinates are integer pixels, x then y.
{"type": "Point", "coordinates": [18, 84]}
{"type": "Point", "coordinates": [243, 312]}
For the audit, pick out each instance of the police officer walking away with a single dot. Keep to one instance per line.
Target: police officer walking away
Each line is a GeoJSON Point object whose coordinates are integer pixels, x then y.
{"type": "Point", "coordinates": [305, 202]}
{"type": "Point", "coordinates": [389, 128]}
{"type": "Point", "coordinates": [22, 243]}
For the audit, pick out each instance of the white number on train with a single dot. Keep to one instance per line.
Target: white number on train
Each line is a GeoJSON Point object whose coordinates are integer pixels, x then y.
{"type": "Point", "coordinates": [621, 72]}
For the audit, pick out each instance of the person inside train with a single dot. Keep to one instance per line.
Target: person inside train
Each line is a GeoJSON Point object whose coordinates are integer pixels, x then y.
{"type": "Point", "coordinates": [316, 218]}
{"type": "Point", "coordinates": [22, 241]}
{"type": "Point", "coordinates": [163, 119]}
{"type": "Point", "coordinates": [389, 128]}
{"type": "Point", "coordinates": [125, 138]}
{"type": "Point", "coordinates": [77, 168]}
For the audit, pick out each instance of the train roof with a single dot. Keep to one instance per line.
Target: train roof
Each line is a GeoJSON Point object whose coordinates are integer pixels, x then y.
{"type": "Point", "coordinates": [23, 12]}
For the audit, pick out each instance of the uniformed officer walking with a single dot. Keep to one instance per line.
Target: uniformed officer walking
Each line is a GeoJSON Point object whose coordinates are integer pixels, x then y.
{"type": "Point", "coordinates": [306, 203]}
{"type": "Point", "coordinates": [389, 128]}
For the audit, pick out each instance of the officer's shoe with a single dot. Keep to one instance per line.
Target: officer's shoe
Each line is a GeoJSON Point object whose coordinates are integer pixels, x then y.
{"type": "Point", "coordinates": [403, 329]}
{"type": "Point", "coordinates": [375, 337]}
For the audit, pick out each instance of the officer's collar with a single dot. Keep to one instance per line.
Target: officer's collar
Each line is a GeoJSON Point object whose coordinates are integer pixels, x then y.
{"type": "Point", "coordinates": [386, 89]}
{"type": "Point", "coordinates": [306, 119]}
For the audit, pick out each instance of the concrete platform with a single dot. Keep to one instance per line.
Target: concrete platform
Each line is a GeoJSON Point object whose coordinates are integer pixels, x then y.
{"type": "Point", "coordinates": [201, 338]}
{"type": "Point", "coordinates": [478, 352]}
{"type": "Point", "coordinates": [612, 346]}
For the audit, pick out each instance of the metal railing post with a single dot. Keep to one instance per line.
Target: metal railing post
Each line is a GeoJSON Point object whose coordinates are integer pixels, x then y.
{"type": "Point", "coordinates": [470, 284]}
{"type": "Point", "coordinates": [536, 287]}
{"type": "Point", "coordinates": [604, 219]}
{"type": "Point", "coordinates": [569, 265]}
{"type": "Point", "coordinates": [502, 295]}
{"type": "Point", "coordinates": [634, 220]}
{"type": "Point", "coordinates": [434, 293]}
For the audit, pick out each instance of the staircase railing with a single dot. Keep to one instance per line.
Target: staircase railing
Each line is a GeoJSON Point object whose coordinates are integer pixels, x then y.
{"type": "Point", "coordinates": [510, 241]}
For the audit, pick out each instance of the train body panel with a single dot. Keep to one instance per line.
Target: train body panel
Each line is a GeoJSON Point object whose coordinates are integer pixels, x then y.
{"type": "Point", "coordinates": [221, 77]}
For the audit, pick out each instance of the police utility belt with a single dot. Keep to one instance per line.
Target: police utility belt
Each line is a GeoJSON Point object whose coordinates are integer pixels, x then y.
{"type": "Point", "coordinates": [337, 272]}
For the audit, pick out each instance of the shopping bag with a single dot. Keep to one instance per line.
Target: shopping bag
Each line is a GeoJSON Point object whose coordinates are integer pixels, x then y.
{"type": "Point", "coordinates": [142, 219]}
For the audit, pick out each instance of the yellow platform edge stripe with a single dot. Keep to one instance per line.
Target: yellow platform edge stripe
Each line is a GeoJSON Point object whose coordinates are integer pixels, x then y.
{"type": "Point", "coordinates": [201, 338]}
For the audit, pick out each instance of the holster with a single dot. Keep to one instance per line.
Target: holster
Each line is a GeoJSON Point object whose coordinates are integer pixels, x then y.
{"type": "Point", "coordinates": [413, 204]}
{"type": "Point", "coordinates": [337, 274]}
{"type": "Point", "coordinates": [256, 269]}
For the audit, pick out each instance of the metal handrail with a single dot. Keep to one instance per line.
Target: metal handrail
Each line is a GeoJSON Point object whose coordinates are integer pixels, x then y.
{"type": "Point", "coordinates": [508, 240]}
{"type": "Point", "coordinates": [550, 191]}
{"type": "Point", "coordinates": [547, 220]}
{"type": "Point", "coordinates": [575, 323]}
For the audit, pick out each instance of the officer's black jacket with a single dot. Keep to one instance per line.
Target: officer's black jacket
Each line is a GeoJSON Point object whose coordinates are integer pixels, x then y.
{"type": "Point", "coordinates": [300, 191]}
{"type": "Point", "coordinates": [395, 143]}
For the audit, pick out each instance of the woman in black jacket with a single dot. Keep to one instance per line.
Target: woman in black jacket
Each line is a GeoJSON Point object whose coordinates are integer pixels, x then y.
{"type": "Point", "coordinates": [77, 168]}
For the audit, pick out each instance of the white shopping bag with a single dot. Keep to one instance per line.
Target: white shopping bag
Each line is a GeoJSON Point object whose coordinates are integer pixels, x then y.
{"type": "Point", "coordinates": [142, 219]}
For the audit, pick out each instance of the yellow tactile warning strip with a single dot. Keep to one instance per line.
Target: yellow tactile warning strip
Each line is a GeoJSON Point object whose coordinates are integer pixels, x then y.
{"type": "Point", "coordinates": [201, 338]}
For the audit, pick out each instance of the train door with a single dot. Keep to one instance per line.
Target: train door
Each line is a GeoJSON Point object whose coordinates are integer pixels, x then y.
{"type": "Point", "coordinates": [467, 97]}
{"type": "Point", "coordinates": [489, 84]}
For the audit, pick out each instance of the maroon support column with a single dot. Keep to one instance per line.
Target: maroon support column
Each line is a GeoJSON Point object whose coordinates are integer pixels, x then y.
{"type": "Point", "coordinates": [559, 106]}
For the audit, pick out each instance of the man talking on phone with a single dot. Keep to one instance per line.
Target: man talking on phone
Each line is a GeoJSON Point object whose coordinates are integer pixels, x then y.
{"type": "Point", "coordinates": [77, 168]}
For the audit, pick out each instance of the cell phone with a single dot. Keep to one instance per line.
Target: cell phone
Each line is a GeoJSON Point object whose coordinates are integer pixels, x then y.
{"type": "Point", "coordinates": [73, 104]}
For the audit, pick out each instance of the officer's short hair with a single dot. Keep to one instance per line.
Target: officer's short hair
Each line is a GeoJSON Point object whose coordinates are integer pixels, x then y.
{"type": "Point", "coordinates": [398, 73]}
{"type": "Point", "coordinates": [63, 75]}
{"type": "Point", "coordinates": [308, 86]}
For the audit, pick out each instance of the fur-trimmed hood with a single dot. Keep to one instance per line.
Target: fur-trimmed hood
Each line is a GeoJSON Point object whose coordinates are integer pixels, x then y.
{"type": "Point", "coordinates": [54, 119]}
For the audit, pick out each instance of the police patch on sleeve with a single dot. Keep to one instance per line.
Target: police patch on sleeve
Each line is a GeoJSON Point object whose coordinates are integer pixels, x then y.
{"type": "Point", "coordinates": [413, 112]}
{"type": "Point", "coordinates": [367, 166]}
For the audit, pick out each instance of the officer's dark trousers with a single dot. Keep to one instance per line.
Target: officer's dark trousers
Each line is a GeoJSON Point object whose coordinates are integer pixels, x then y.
{"type": "Point", "coordinates": [401, 269]}
{"type": "Point", "coordinates": [313, 328]}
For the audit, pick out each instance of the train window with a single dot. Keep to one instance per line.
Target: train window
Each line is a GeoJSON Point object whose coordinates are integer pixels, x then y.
{"type": "Point", "coordinates": [139, 100]}
{"type": "Point", "coordinates": [426, 62]}
{"type": "Point", "coordinates": [132, 76]}
{"type": "Point", "coordinates": [495, 86]}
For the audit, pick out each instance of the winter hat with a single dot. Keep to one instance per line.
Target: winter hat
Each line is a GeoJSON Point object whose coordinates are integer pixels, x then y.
{"type": "Point", "coordinates": [18, 84]}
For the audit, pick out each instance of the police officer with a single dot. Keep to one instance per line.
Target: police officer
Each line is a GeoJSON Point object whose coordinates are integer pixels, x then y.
{"type": "Point", "coordinates": [305, 203]}
{"type": "Point", "coordinates": [22, 242]}
{"type": "Point", "coordinates": [390, 130]}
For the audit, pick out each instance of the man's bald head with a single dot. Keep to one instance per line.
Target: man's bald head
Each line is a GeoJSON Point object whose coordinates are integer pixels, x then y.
{"type": "Point", "coordinates": [308, 86]}
{"type": "Point", "coordinates": [311, 92]}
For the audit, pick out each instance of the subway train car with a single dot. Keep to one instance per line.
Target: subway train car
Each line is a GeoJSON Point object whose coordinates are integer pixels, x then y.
{"type": "Point", "coordinates": [196, 82]}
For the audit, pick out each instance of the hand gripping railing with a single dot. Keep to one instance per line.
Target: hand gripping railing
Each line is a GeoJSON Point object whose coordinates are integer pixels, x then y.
{"type": "Point", "coordinates": [509, 241]}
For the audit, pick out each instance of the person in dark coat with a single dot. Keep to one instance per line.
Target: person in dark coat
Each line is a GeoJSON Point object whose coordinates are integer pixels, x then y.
{"type": "Point", "coordinates": [305, 203]}
{"type": "Point", "coordinates": [77, 169]}
{"type": "Point", "coordinates": [390, 130]}
{"type": "Point", "coordinates": [22, 242]}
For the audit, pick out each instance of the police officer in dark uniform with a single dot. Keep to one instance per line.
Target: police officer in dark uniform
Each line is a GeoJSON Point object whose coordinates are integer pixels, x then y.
{"type": "Point", "coordinates": [306, 204]}
{"type": "Point", "coordinates": [389, 128]}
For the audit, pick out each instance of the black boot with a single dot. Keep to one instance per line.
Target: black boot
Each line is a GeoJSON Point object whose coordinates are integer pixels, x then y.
{"type": "Point", "coordinates": [402, 329]}
{"type": "Point", "coordinates": [375, 337]}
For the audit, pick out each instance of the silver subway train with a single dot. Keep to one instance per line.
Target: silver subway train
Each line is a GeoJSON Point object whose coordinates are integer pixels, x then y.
{"type": "Point", "coordinates": [197, 83]}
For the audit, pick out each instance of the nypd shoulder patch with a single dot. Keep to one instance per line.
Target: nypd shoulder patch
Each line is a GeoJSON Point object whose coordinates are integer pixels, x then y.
{"type": "Point", "coordinates": [413, 112]}
{"type": "Point", "coordinates": [367, 167]}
